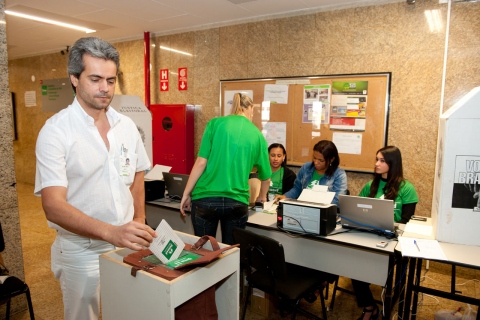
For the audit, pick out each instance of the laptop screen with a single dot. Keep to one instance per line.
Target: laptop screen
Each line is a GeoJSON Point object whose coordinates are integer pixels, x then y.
{"type": "Point", "coordinates": [368, 213]}
{"type": "Point", "coordinates": [175, 184]}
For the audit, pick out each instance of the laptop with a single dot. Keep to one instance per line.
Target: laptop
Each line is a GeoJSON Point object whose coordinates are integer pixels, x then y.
{"type": "Point", "coordinates": [366, 213]}
{"type": "Point", "coordinates": [175, 184]}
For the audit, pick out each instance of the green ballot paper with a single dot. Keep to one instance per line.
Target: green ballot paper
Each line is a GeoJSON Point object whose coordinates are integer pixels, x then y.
{"type": "Point", "coordinates": [185, 257]}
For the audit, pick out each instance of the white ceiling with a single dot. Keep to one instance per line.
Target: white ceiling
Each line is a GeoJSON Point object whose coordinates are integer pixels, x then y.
{"type": "Point", "coordinates": [120, 20]}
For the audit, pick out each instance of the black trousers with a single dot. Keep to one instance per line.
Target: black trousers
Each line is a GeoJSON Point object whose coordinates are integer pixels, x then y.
{"type": "Point", "coordinates": [363, 293]}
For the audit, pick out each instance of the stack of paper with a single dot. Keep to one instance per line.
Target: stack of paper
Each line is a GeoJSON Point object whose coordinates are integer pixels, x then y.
{"type": "Point", "coordinates": [421, 248]}
{"type": "Point", "coordinates": [270, 207]}
{"type": "Point", "coordinates": [157, 172]}
{"type": "Point", "coordinates": [318, 194]}
{"type": "Point", "coordinates": [419, 229]}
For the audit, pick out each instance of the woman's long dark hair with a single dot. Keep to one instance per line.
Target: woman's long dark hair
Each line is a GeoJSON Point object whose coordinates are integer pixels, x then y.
{"type": "Point", "coordinates": [279, 145]}
{"type": "Point", "coordinates": [395, 179]}
{"type": "Point", "coordinates": [330, 153]}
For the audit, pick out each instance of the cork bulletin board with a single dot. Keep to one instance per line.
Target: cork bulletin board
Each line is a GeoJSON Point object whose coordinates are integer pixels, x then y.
{"type": "Point", "coordinates": [354, 114]}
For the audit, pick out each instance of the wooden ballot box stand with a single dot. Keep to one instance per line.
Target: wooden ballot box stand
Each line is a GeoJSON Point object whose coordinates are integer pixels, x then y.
{"type": "Point", "coordinates": [147, 296]}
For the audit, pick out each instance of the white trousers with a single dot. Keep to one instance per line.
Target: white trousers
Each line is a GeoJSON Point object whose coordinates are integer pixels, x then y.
{"type": "Point", "coordinates": [75, 262]}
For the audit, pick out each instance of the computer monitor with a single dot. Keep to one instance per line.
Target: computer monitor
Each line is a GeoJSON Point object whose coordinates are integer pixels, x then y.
{"type": "Point", "coordinates": [175, 184]}
{"type": "Point", "coordinates": [367, 213]}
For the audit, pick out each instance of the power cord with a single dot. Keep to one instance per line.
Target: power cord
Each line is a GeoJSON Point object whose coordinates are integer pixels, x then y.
{"type": "Point", "coordinates": [305, 232]}
{"type": "Point", "coordinates": [386, 233]}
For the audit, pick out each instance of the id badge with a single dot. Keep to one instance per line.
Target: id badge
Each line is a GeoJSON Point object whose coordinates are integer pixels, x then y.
{"type": "Point", "coordinates": [124, 166]}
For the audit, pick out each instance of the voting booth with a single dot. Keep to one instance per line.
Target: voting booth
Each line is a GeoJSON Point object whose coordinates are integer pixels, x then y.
{"type": "Point", "coordinates": [456, 202]}
{"type": "Point", "coordinates": [134, 108]}
{"type": "Point", "coordinates": [147, 296]}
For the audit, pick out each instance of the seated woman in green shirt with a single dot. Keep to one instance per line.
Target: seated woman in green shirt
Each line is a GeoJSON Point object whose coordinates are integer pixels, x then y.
{"type": "Point", "coordinates": [282, 177]}
{"type": "Point", "coordinates": [388, 183]}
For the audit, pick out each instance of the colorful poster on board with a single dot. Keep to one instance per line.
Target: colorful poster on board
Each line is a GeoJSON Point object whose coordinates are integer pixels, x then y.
{"type": "Point", "coordinates": [349, 105]}
{"type": "Point", "coordinates": [316, 104]}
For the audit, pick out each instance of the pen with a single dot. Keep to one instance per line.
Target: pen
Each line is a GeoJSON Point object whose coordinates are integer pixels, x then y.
{"type": "Point", "coordinates": [415, 241]}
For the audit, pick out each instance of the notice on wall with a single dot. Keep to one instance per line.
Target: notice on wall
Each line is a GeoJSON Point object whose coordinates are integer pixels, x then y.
{"type": "Point", "coordinates": [57, 94]}
{"type": "Point", "coordinates": [350, 143]}
{"type": "Point", "coordinates": [466, 187]}
{"type": "Point", "coordinates": [275, 132]}
{"type": "Point", "coordinates": [276, 93]}
{"type": "Point", "coordinates": [30, 99]}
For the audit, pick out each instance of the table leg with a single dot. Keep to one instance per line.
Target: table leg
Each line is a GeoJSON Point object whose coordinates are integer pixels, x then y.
{"type": "Point", "coordinates": [400, 281]}
{"type": "Point", "coordinates": [408, 294]}
{"type": "Point", "coordinates": [389, 288]}
{"type": "Point", "coordinates": [416, 283]}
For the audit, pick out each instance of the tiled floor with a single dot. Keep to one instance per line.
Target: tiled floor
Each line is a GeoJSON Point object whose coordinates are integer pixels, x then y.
{"type": "Point", "coordinates": [47, 299]}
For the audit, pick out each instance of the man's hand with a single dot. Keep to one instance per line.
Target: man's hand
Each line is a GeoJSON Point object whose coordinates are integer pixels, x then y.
{"type": "Point", "coordinates": [132, 235]}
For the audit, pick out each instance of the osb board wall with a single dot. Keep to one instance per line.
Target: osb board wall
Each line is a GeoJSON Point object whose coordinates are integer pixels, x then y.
{"type": "Point", "coordinates": [391, 37]}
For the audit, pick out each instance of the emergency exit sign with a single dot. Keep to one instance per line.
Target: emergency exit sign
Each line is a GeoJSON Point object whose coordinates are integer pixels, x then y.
{"type": "Point", "coordinates": [163, 80]}
{"type": "Point", "coordinates": [182, 79]}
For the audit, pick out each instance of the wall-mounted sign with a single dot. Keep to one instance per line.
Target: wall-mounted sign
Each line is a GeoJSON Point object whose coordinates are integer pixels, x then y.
{"type": "Point", "coordinates": [163, 80]}
{"type": "Point", "coordinates": [182, 79]}
{"type": "Point", "coordinates": [57, 94]}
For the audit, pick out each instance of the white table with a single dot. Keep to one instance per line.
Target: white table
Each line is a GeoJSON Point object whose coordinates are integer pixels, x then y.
{"type": "Point", "coordinates": [457, 255]}
{"type": "Point", "coordinates": [351, 254]}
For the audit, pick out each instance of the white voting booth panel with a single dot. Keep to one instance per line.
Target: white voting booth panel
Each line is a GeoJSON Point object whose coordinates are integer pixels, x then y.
{"type": "Point", "coordinates": [134, 108]}
{"type": "Point", "coordinates": [455, 206]}
{"type": "Point", "coordinates": [147, 296]}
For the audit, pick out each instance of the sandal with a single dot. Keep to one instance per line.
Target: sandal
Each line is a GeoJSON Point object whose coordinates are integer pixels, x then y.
{"type": "Point", "coordinates": [311, 297]}
{"type": "Point", "coordinates": [374, 313]}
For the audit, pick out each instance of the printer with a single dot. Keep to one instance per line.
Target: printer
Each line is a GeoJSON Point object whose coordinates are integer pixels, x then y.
{"type": "Point", "coordinates": [306, 217]}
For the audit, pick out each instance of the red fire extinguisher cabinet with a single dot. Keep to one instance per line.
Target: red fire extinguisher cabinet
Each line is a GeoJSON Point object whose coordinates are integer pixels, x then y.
{"type": "Point", "coordinates": [173, 136]}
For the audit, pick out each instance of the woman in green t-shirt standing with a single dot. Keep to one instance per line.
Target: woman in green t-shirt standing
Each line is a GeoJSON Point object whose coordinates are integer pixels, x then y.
{"type": "Point", "coordinates": [217, 189]}
{"type": "Point", "coordinates": [388, 183]}
{"type": "Point", "coordinates": [282, 177]}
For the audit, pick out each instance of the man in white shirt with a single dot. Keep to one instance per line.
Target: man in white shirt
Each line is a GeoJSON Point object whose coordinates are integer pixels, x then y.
{"type": "Point", "coordinates": [90, 194]}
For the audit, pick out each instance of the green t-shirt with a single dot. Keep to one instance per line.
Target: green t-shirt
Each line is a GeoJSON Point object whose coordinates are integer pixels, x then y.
{"type": "Point", "coordinates": [315, 180]}
{"type": "Point", "coordinates": [276, 183]}
{"type": "Point", "coordinates": [232, 146]}
{"type": "Point", "coordinates": [407, 194]}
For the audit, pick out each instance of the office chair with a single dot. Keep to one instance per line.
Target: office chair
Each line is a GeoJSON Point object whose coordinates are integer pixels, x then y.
{"type": "Point", "coordinates": [13, 286]}
{"type": "Point", "coordinates": [266, 269]}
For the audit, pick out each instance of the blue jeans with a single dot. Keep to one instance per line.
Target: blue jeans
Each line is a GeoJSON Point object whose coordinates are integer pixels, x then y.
{"type": "Point", "coordinates": [206, 213]}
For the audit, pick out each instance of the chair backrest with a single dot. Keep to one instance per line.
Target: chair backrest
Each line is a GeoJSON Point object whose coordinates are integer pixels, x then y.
{"type": "Point", "coordinates": [273, 255]}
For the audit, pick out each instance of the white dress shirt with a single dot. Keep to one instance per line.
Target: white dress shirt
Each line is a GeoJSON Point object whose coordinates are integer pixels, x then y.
{"type": "Point", "coordinates": [71, 153]}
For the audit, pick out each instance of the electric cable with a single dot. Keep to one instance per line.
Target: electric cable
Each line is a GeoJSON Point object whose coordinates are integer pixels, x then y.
{"type": "Point", "coordinates": [386, 233]}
